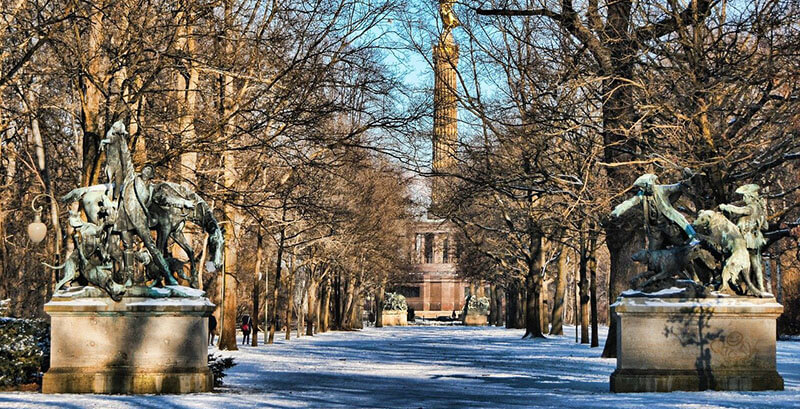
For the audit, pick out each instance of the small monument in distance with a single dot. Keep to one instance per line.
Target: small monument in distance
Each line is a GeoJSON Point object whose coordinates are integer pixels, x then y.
{"type": "Point", "coordinates": [699, 318]}
{"type": "Point", "coordinates": [114, 333]}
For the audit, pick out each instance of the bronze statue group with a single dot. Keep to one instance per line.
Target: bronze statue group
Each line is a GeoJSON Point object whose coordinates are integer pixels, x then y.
{"type": "Point", "coordinates": [107, 253]}
{"type": "Point", "coordinates": [719, 250]}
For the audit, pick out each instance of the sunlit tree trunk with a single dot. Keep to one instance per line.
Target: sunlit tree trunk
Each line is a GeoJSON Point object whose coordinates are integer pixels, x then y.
{"type": "Point", "coordinates": [90, 94]}
{"type": "Point", "coordinates": [325, 306]}
{"type": "Point", "coordinates": [312, 305]}
{"type": "Point", "coordinates": [44, 177]}
{"type": "Point", "coordinates": [533, 284]}
{"type": "Point", "coordinates": [228, 331]}
{"type": "Point", "coordinates": [561, 289]}
{"type": "Point", "coordinates": [379, 297]}
{"type": "Point", "coordinates": [277, 283]}
{"type": "Point", "coordinates": [592, 266]}
{"type": "Point", "coordinates": [256, 286]}
{"type": "Point", "coordinates": [498, 296]}
{"type": "Point", "coordinates": [583, 285]}
{"type": "Point", "coordinates": [290, 298]}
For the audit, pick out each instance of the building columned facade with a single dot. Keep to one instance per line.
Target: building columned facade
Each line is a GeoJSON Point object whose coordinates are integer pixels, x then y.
{"type": "Point", "coordinates": [436, 289]}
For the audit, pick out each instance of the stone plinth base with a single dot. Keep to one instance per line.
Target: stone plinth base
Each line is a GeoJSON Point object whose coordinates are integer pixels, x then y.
{"type": "Point", "coordinates": [476, 320]}
{"type": "Point", "coordinates": [725, 343]}
{"type": "Point", "coordinates": [136, 346]}
{"type": "Point", "coordinates": [395, 318]}
{"type": "Point", "coordinates": [127, 381]}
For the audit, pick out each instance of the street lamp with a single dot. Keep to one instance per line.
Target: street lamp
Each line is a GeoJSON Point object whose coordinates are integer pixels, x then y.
{"type": "Point", "coordinates": [37, 230]}
{"type": "Point", "coordinates": [222, 310]}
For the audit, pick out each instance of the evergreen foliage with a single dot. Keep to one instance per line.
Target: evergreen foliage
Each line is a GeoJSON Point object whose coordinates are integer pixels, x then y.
{"type": "Point", "coordinates": [218, 364]}
{"type": "Point", "coordinates": [24, 350]}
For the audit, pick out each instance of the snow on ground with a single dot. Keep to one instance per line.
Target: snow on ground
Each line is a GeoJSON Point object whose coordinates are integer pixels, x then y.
{"type": "Point", "coordinates": [428, 367]}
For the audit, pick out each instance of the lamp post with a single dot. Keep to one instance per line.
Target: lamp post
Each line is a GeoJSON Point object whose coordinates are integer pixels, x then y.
{"type": "Point", "coordinates": [38, 230]}
{"type": "Point", "coordinates": [222, 309]}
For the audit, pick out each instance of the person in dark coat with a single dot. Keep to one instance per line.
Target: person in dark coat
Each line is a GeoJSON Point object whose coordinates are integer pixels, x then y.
{"type": "Point", "coordinates": [212, 329]}
{"type": "Point", "coordinates": [247, 326]}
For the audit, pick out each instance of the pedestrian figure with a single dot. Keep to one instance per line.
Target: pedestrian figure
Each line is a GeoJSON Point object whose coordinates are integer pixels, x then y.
{"type": "Point", "coordinates": [212, 329]}
{"type": "Point", "coordinates": [246, 328]}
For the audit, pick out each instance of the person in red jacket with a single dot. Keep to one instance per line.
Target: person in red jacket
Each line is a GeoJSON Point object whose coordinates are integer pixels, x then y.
{"type": "Point", "coordinates": [246, 328]}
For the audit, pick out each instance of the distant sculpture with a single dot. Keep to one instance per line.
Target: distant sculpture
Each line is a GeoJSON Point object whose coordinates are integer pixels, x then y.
{"type": "Point", "coordinates": [712, 252]}
{"type": "Point", "coordinates": [129, 206]}
{"type": "Point", "coordinates": [752, 221]}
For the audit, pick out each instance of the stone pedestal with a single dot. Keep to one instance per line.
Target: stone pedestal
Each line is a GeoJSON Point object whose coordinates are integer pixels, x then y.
{"type": "Point", "coordinates": [136, 346]}
{"type": "Point", "coordinates": [725, 343]}
{"type": "Point", "coordinates": [476, 320]}
{"type": "Point", "coordinates": [393, 318]}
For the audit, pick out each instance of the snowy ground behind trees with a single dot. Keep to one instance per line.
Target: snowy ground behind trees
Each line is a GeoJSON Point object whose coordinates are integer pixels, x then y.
{"type": "Point", "coordinates": [427, 367]}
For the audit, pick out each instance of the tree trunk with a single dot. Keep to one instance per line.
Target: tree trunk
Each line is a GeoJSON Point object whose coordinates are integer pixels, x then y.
{"type": "Point", "coordinates": [379, 298]}
{"type": "Point", "coordinates": [584, 288]}
{"type": "Point", "coordinates": [256, 284]}
{"type": "Point", "coordinates": [228, 335]}
{"type": "Point", "coordinates": [511, 313]}
{"type": "Point", "coordinates": [544, 312]}
{"type": "Point", "coordinates": [91, 96]}
{"type": "Point", "coordinates": [44, 174]}
{"type": "Point", "coordinates": [533, 283]}
{"type": "Point", "coordinates": [561, 289]}
{"type": "Point", "coordinates": [498, 295]}
{"type": "Point", "coordinates": [619, 145]}
{"type": "Point", "coordinates": [622, 241]}
{"type": "Point", "coordinates": [492, 306]}
{"type": "Point", "coordinates": [347, 311]}
{"type": "Point", "coordinates": [312, 306]}
{"type": "Point", "coordinates": [277, 285]}
{"type": "Point", "coordinates": [325, 306]}
{"type": "Point", "coordinates": [356, 311]}
{"type": "Point", "coordinates": [575, 296]}
{"type": "Point", "coordinates": [593, 283]}
{"type": "Point", "coordinates": [300, 313]}
{"type": "Point", "coordinates": [290, 299]}
{"type": "Point", "coordinates": [337, 300]}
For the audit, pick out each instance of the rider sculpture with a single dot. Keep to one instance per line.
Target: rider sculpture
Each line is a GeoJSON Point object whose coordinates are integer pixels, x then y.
{"type": "Point", "coordinates": [129, 206]}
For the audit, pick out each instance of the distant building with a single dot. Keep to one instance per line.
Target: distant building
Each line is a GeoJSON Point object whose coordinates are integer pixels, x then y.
{"type": "Point", "coordinates": [436, 289]}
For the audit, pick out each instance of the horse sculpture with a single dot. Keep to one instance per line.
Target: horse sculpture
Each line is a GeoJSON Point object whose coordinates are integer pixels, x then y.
{"type": "Point", "coordinates": [171, 205]}
{"type": "Point", "coordinates": [132, 195]}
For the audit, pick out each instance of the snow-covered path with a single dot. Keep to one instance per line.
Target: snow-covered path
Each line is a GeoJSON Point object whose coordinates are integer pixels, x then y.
{"type": "Point", "coordinates": [428, 367]}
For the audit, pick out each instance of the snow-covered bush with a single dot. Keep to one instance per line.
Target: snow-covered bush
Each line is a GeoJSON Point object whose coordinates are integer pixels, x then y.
{"type": "Point", "coordinates": [394, 302]}
{"type": "Point", "coordinates": [218, 364]}
{"type": "Point", "coordinates": [24, 350]}
{"type": "Point", "coordinates": [478, 305]}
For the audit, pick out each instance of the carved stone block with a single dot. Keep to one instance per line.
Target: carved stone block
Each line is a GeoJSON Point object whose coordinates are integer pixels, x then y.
{"type": "Point", "coordinates": [669, 344]}
{"type": "Point", "coordinates": [136, 346]}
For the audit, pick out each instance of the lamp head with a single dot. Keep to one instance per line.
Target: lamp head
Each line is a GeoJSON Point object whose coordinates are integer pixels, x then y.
{"type": "Point", "coordinates": [37, 230]}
